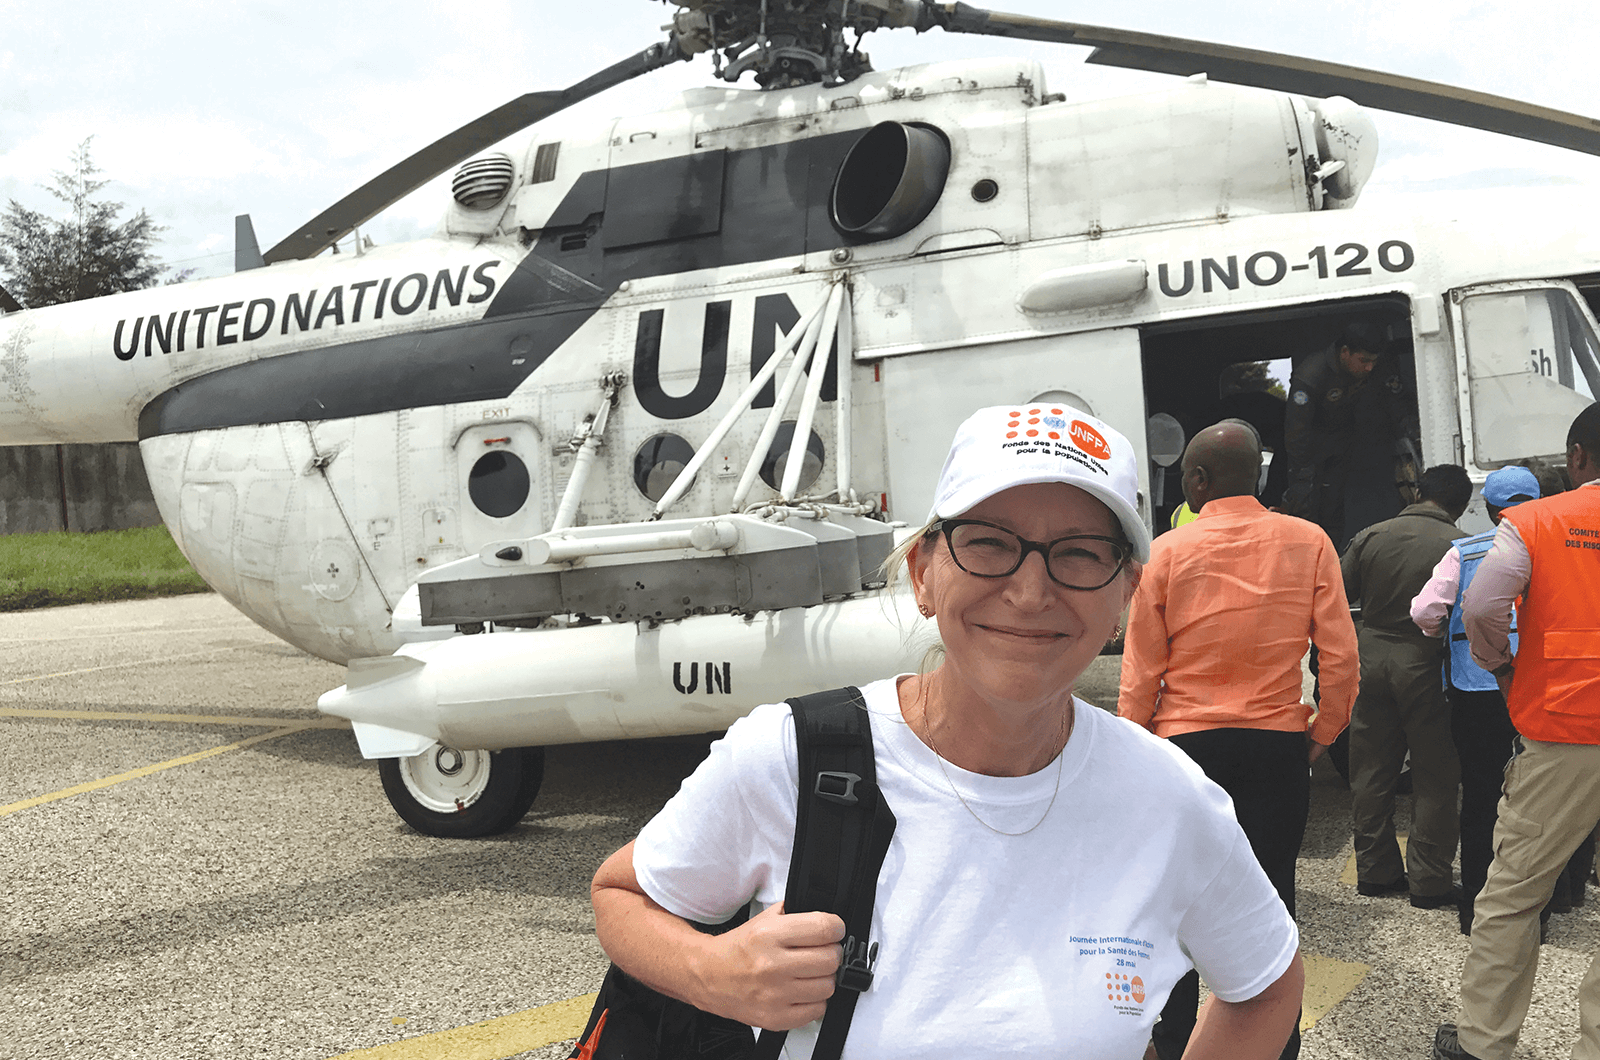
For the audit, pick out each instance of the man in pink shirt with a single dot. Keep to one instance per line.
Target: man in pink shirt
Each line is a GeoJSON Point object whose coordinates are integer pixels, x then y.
{"type": "Point", "coordinates": [1216, 633]}
{"type": "Point", "coordinates": [1479, 722]}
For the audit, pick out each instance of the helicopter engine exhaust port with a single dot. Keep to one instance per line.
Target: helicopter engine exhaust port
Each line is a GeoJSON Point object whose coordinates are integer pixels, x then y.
{"type": "Point", "coordinates": [889, 181]}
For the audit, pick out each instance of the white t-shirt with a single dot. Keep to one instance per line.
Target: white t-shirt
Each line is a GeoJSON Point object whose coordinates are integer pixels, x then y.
{"type": "Point", "coordinates": [1061, 942]}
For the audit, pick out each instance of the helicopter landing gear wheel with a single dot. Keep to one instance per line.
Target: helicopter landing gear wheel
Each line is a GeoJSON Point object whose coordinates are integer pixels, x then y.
{"type": "Point", "coordinates": [457, 794]}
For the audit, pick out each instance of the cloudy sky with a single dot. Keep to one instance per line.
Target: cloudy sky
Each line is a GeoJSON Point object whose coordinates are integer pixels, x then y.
{"type": "Point", "coordinates": [201, 111]}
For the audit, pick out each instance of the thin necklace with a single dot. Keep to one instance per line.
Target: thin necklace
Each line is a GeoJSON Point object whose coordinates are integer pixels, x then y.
{"type": "Point", "coordinates": [1061, 758]}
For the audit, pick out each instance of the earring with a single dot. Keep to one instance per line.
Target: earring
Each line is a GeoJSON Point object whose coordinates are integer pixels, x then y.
{"type": "Point", "coordinates": [927, 612]}
{"type": "Point", "coordinates": [1117, 635]}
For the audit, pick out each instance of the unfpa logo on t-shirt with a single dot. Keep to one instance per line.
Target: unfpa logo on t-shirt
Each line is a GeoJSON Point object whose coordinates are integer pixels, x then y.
{"type": "Point", "coordinates": [1123, 988]}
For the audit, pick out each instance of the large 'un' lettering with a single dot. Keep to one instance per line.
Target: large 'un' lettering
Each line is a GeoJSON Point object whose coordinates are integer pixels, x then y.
{"type": "Point", "coordinates": [718, 679]}
{"type": "Point", "coordinates": [713, 364]}
{"type": "Point", "coordinates": [775, 315]}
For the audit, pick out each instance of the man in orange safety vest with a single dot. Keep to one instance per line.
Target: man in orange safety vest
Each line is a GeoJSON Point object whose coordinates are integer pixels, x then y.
{"type": "Point", "coordinates": [1547, 552]}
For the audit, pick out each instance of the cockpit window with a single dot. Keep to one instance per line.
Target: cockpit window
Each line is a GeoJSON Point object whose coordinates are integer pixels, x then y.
{"type": "Point", "coordinates": [1533, 363]}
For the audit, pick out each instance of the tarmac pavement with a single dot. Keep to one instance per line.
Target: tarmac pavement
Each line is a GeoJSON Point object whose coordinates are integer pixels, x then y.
{"type": "Point", "coordinates": [197, 864]}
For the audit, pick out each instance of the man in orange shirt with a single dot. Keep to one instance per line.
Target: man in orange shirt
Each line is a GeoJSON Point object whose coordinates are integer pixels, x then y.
{"type": "Point", "coordinates": [1216, 633]}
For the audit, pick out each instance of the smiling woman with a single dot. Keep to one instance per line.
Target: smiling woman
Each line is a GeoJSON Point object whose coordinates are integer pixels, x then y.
{"type": "Point", "coordinates": [1016, 634]}
{"type": "Point", "coordinates": [1017, 912]}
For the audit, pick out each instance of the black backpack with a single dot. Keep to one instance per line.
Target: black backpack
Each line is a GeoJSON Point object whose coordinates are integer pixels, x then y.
{"type": "Point", "coordinates": [842, 830]}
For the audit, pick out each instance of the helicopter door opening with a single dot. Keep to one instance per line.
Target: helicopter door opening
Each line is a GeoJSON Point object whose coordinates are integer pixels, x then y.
{"type": "Point", "coordinates": [1531, 363]}
{"type": "Point", "coordinates": [927, 395]}
{"type": "Point", "coordinates": [1198, 372]}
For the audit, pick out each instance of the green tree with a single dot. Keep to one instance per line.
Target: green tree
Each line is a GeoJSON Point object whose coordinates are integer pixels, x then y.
{"type": "Point", "coordinates": [83, 255]}
{"type": "Point", "coordinates": [1247, 377]}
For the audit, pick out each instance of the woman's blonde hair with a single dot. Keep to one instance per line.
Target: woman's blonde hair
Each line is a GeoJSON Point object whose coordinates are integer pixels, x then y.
{"type": "Point", "coordinates": [897, 572]}
{"type": "Point", "coordinates": [897, 568]}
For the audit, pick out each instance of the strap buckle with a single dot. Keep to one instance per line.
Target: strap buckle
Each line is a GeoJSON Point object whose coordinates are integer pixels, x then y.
{"type": "Point", "coordinates": [837, 787]}
{"type": "Point", "coordinates": [860, 959]}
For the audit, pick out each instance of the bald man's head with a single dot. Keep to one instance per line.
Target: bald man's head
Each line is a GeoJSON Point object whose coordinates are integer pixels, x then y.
{"type": "Point", "coordinates": [1223, 460]}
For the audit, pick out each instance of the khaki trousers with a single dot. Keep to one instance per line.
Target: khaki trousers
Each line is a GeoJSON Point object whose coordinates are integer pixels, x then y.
{"type": "Point", "coordinates": [1400, 707]}
{"type": "Point", "coordinates": [1551, 804]}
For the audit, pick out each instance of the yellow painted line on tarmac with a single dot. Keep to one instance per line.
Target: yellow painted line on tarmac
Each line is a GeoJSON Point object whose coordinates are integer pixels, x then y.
{"type": "Point", "coordinates": [1348, 876]}
{"type": "Point", "coordinates": [145, 771]}
{"type": "Point", "coordinates": [1328, 982]}
{"type": "Point", "coordinates": [494, 1039]}
{"type": "Point", "coordinates": [193, 719]}
{"type": "Point", "coordinates": [118, 666]}
{"type": "Point", "coordinates": [122, 631]}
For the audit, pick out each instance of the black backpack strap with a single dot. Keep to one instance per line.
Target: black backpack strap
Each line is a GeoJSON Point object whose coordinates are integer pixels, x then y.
{"type": "Point", "coordinates": [842, 830]}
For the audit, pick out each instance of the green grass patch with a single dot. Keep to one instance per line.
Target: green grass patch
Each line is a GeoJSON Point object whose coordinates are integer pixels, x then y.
{"type": "Point", "coordinates": [47, 570]}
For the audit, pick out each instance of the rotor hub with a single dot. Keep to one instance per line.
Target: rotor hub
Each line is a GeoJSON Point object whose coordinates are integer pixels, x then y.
{"type": "Point", "coordinates": [784, 43]}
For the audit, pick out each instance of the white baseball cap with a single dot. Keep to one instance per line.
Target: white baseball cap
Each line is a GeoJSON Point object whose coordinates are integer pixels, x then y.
{"type": "Point", "coordinates": [1015, 445]}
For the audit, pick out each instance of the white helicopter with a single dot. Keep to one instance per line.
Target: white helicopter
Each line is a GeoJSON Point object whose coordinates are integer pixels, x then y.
{"type": "Point", "coordinates": [620, 452]}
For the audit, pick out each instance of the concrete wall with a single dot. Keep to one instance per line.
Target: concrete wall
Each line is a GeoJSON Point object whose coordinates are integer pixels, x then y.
{"type": "Point", "coordinates": [103, 486]}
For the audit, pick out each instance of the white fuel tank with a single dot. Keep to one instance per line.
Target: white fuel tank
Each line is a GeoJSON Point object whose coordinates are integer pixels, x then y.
{"type": "Point", "coordinates": [611, 681]}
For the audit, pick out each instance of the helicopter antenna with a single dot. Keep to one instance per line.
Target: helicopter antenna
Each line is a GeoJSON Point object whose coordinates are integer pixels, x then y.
{"type": "Point", "coordinates": [246, 252]}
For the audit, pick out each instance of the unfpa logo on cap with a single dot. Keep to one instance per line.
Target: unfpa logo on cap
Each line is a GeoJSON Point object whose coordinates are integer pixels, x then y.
{"type": "Point", "coordinates": [1045, 423]}
{"type": "Point", "coordinates": [1090, 440]}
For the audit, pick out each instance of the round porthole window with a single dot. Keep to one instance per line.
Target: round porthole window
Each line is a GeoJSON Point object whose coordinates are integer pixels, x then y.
{"type": "Point", "coordinates": [659, 462]}
{"type": "Point", "coordinates": [777, 459]}
{"type": "Point", "coordinates": [498, 484]}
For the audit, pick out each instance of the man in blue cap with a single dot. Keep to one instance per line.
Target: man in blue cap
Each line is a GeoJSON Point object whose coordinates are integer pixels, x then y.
{"type": "Point", "coordinates": [1479, 721]}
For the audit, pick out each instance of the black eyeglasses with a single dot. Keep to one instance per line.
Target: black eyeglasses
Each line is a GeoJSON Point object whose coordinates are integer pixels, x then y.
{"type": "Point", "coordinates": [1079, 561]}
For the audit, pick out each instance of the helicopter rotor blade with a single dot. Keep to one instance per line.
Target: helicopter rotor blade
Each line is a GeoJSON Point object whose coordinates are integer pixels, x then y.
{"type": "Point", "coordinates": [400, 180]}
{"type": "Point", "coordinates": [1285, 73]}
